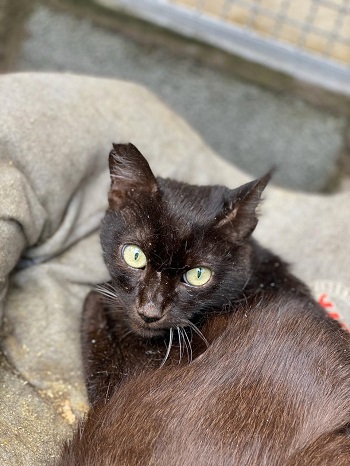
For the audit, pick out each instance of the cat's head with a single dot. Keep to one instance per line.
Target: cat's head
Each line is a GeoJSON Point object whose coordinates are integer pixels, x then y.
{"type": "Point", "coordinates": [174, 251]}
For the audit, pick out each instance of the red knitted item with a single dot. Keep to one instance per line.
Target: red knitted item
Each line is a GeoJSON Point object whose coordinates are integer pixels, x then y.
{"type": "Point", "coordinates": [328, 305]}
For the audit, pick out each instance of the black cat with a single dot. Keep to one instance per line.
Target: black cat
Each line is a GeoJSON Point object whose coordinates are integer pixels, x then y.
{"type": "Point", "coordinates": [269, 377]}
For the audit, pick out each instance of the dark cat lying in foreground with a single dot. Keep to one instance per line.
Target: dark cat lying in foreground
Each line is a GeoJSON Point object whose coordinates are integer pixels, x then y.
{"type": "Point", "coordinates": [203, 349]}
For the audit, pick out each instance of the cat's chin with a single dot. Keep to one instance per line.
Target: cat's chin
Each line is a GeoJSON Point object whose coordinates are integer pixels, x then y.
{"type": "Point", "coordinates": [149, 332]}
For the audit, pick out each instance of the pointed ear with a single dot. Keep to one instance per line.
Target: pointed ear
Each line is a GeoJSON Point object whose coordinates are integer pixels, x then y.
{"type": "Point", "coordinates": [238, 217]}
{"type": "Point", "coordinates": [131, 176]}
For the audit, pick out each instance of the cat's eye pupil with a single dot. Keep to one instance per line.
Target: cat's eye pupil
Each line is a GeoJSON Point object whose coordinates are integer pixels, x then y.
{"type": "Point", "coordinates": [197, 276]}
{"type": "Point", "coordinates": [137, 254]}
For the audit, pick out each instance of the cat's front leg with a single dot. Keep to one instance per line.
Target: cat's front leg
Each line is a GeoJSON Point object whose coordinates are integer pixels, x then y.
{"type": "Point", "coordinates": [113, 353]}
{"type": "Point", "coordinates": [98, 348]}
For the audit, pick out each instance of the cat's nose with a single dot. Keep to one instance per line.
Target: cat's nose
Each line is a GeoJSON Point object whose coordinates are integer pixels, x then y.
{"type": "Point", "coordinates": [148, 320]}
{"type": "Point", "coordinates": [150, 313]}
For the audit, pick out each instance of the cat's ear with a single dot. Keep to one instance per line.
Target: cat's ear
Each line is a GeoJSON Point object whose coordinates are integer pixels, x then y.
{"type": "Point", "coordinates": [238, 217]}
{"type": "Point", "coordinates": [131, 176]}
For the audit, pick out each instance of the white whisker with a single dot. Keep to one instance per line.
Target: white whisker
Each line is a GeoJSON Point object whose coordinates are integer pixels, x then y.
{"type": "Point", "coordinates": [168, 348]}
{"type": "Point", "coordinates": [247, 281]}
{"type": "Point", "coordinates": [198, 332]}
{"type": "Point", "coordinates": [106, 292]}
{"type": "Point", "coordinates": [189, 347]}
{"type": "Point", "coordinates": [184, 341]}
{"type": "Point", "coordinates": [107, 392]}
{"type": "Point", "coordinates": [180, 345]}
{"type": "Point", "coordinates": [126, 334]}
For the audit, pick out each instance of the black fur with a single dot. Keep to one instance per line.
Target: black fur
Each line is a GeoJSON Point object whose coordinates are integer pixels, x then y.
{"type": "Point", "coordinates": [272, 388]}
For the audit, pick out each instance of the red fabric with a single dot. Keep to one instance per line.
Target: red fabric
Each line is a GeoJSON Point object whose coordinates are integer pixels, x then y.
{"type": "Point", "coordinates": [328, 305]}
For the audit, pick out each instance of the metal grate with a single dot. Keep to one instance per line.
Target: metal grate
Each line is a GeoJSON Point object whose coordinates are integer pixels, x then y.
{"type": "Point", "coordinates": [321, 26]}
{"type": "Point", "coordinates": [308, 39]}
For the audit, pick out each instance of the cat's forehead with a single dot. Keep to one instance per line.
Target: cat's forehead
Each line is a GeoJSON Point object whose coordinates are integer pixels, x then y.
{"type": "Point", "coordinates": [190, 203]}
{"type": "Point", "coordinates": [178, 223]}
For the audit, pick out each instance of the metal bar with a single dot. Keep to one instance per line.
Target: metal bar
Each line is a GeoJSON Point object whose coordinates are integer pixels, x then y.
{"type": "Point", "coordinates": [200, 6]}
{"type": "Point", "coordinates": [226, 8]}
{"type": "Point", "coordinates": [280, 16]}
{"type": "Point", "coordinates": [309, 24]}
{"type": "Point", "coordinates": [255, 9]}
{"type": "Point", "coordinates": [334, 6]}
{"type": "Point", "coordinates": [284, 58]}
{"type": "Point", "coordinates": [292, 22]}
{"type": "Point", "coordinates": [333, 36]}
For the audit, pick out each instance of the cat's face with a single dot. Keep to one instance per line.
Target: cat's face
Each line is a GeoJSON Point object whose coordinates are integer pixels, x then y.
{"type": "Point", "coordinates": [174, 251]}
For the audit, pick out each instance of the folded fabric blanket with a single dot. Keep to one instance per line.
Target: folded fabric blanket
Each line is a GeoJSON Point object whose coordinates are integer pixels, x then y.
{"type": "Point", "coordinates": [55, 135]}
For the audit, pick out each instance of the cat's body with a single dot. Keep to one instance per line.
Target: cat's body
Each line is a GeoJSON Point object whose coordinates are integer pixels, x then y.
{"type": "Point", "coordinates": [274, 382]}
{"type": "Point", "coordinates": [272, 389]}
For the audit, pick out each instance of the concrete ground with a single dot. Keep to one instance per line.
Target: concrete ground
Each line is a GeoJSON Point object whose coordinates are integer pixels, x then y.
{"type": "Point", "coordinates": [250, 126]}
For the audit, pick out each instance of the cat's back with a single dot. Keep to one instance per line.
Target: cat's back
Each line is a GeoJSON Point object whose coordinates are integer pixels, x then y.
{"type": "Point", "coordinates": [273, 387]}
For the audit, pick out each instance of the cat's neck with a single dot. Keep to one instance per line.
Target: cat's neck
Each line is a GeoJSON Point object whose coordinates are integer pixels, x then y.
{"type": "Point", "coordinates": [269, 273]}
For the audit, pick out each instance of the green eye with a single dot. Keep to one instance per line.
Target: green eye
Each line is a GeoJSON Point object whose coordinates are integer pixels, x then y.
{"type": "Point", "coordinates": [134, 256]}
{"type": "Point", "coordinates": [198, 276]}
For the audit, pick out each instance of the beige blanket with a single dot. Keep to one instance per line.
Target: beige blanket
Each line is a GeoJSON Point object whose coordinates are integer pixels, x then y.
{"type": "Point", "coordinates": [55, 135]}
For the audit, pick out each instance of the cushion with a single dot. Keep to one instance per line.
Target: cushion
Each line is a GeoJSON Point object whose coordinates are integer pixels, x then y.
{"type": "Point", "coordinates": [56, 131]}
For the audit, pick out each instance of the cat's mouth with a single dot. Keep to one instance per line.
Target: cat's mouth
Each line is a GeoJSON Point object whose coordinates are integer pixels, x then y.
{"type": "Point", "coordinates": [148, 330]}
{"type": "Point", "coordinates": [151, 333]}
